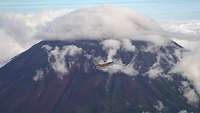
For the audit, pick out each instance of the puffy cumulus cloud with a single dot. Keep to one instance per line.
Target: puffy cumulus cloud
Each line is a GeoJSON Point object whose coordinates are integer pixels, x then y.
{"type": "Point", "coordinates": [15, 27]}
{"type": "Point", "coordinates": [103, 22]}
{"type": "Point", "coordinates": [18, 30]}
{"type": "Point", "coordinates": [189, 67]}
{"type": "Point", "coordinates": [39, 75]}
{"type": "Point", "coordinates": [159, 106]}
{"type": "Point", "coordinates": [191, 96]}
{"type": "Point", "coordinates": [23, 27]}
{"type": "Point", "coordinates": [57, 57]}
{"type": "Point", "coordinates": [189, 93]}
{"type": "Point", "coordinates": [155, 71]}
{"type": "Point", "coordinates": [127, 45]}
{"type": "Point", "coordinates": [8, 48]}
{"type": "Point", "coordinates": [111, 46]}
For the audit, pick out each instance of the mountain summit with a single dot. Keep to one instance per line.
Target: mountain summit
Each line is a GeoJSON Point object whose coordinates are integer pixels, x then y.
{"type": "Point", "coordinates": [64, 77]}
{"type": "Point", "coordinates": [99, 60]}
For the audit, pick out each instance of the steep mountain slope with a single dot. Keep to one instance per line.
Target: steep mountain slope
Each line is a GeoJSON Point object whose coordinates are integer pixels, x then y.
{"type": "Point", "coordinates": [62, 77]}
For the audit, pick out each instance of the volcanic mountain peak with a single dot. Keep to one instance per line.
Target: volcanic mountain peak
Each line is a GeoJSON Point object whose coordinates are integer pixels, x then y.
{"type": "Point", "coordinates": [63, 76]}
{"type": "Point", "coordinates": [67, 54]}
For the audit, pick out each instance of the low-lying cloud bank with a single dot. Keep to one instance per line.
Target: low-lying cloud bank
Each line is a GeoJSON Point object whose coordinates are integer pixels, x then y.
{"type": "Point", "coordinates": [190, 28]}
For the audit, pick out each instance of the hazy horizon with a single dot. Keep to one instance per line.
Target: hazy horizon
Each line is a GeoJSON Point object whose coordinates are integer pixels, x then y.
{"type": "Point", "coordinates": [179, 10]}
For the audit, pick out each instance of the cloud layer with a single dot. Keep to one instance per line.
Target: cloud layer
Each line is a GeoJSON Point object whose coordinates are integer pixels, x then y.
{"type": "Point", "coordinates": [101, 22]}
{"type": "Point", "coordinates": [190, 28]}
{"type": "Point", "coordinates": [21, 31]}
{"type": "Point", "coordinates": [18, 30]}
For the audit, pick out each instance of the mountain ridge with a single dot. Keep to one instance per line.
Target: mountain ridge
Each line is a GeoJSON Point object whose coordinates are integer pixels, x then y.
{"type": "Point", "coordinates": [85, 88]}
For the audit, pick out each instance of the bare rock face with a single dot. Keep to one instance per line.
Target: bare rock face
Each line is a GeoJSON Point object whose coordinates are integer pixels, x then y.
{"type": "Point", "coordinates": [63, 77]}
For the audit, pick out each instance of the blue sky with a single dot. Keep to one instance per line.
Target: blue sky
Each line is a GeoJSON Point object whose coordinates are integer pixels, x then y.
{"type": "Point", "coordinates": [156, 9]}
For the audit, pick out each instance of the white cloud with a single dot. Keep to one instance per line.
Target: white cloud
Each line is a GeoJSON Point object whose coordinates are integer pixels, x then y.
{"type": "Point", "coordinates": [155, 71]}
{"type": "Point", "coordinates": [145, 112]}
{"type": "Point", "coordinates": [8, 47]}
{"type": "Point", "coordinates": [47, 47]}
{"type": "Point", "coordinates": [111, 46]}
{"type": "Point", "coordinates": [159, 106]}
{"type": "Point", "coordinates": [189, 28]}
{"type": "Point", "coordinates": [72, 50]}
{"type": "Point", "coordinates": [18, 30]}
{"type": "Point", "coordinates": [189, 67]}
{"type": "Point", "coordinates": [26, 29]}
{"type": "Point", "coordinates": [184, 33]}
{"type": "Point", "coordinates": [103, 22]}
{"type": "Point", "coordinates": [127, 45]}
{"type": "Point", "coordinates": [58, 54]}
{"type": "Point", "coordinates": [183, 111]}
{"type": "Point", "coordinates": [39, 75]}
{"type": "Point", "coordinates": [189, 93]}
{"type": "Point", "coordinates": [59, 60]}
{"type": "Point", "coordinates": [191, 96]}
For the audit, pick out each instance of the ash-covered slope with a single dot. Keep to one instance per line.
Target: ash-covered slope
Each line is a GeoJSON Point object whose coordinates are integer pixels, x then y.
{"type": "Point", "coordinates": [62, 77]}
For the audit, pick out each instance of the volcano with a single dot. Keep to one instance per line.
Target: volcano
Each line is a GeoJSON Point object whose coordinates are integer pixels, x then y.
{"type": "Point", "coordinates": [62, 77]}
